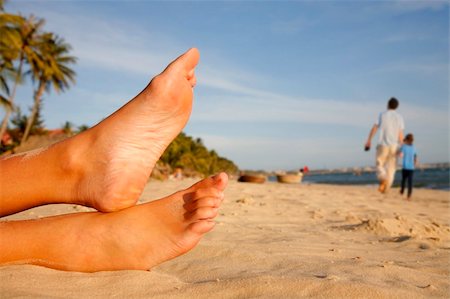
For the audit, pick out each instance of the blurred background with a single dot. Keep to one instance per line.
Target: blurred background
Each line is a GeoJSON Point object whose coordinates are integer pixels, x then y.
{"type": "Point", "coordinates": [280, 84]}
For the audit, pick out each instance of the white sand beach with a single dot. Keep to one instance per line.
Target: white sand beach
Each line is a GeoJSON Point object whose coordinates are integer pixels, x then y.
{"type": "Point", "coordinates": [279, 241]}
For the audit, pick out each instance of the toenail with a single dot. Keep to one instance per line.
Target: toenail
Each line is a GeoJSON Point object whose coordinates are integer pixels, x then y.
{"type": "Point", "coordinates": [216, 177]}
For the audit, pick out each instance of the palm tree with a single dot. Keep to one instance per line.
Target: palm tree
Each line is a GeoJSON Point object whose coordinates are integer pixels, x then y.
{"type": "Point", "coordinates": [20, 45]}
{"type": "Point", "coordinates": [68, 128]}
{"type": "Point", "coordinates": [51, 69]}
{"type": "Point", "coordinates": [8, 52]}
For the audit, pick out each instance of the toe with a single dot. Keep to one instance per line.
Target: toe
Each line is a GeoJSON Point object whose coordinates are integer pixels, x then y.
{"type": "Point", "coordinates": [190, 74]}
{"type": "Point", "coordinates": [190, 197]}
{"type": "Point", "coordinates": [206, 192]}
{"type": "Point", "coordinates": [218, 181]}
{"type": "Point", "coordinates": [186, 62]}
{"type": "Point", "coordinates": [212, 202]}
{"type": "Point", "coordinates": [193, 81]}
{"type": "Point", "coordinates": [221, 181]}
{"type": "Point", "coordinates": [201, 227]}
{"type": "Point", "coordinates": [202, 214]}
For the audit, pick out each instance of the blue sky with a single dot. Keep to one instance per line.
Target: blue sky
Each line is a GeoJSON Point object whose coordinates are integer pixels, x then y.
{"type": "Point", "coordinates": [281, 84]}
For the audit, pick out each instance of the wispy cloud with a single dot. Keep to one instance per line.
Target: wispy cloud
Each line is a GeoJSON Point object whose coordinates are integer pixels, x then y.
{"type": "Point", "coordinates": [331, 151]}
{"type": "Point", "coordinates": [278, 108]}
{"type": "Point", "coordinates": [111, 44]}
{"type": "Point", "coordinates": [123, 47]}
{"type": "Point", "coordinates": [287, 153]}
{"type": "Point", "coordinates": [238, 96]}
{"type": "Point", "coordinates": [416, 68]}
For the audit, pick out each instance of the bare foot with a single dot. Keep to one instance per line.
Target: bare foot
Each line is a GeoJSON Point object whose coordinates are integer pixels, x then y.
{"type": "Point", "coordinates": [118, 154]}
{"type": "Point", "coordinates": [144, 236]}
{"type": "Point", "coordinates": [382, 187]}
{"type": "Point", "coordinates": [139, 237]}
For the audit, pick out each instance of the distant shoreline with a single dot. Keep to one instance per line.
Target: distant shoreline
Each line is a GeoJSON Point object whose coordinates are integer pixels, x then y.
{"type": "Point", "coordinates": [424, 178]}
{"type": "Point", "coordinates": [444, 165]}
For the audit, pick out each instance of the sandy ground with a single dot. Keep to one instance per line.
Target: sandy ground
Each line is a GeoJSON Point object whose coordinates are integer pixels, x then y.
{"type": "Point", "coordinates": [279, 241]}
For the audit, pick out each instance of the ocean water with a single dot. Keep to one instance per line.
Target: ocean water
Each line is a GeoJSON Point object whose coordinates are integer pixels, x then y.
{"type": "Point", "coordinates": [433, 178]}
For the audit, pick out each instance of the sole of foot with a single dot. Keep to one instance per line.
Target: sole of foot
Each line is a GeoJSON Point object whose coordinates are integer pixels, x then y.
{"type": "Point", "coordinates": [114, 159]}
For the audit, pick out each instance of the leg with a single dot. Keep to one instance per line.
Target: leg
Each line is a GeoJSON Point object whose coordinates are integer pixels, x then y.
{"type": "Point", "coordinates": [391, 166]}
{"type": "Point", "coordinates": [139, 237]}
{"type": "Point", "coordinates": [404, 175]}
{"type": "Point", "coordinates": [381, 157]}
{"type": "Point", "coordinates": [107, 166]}
{"type": "Point", "coordinates": [410, 183]}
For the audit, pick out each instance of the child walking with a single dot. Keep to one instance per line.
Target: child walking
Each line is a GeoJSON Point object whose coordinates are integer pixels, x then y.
{"type": "Point", "coordinates": [408, 151]}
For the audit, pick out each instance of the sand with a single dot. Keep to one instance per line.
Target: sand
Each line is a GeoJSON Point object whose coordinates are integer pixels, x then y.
{"type": "Point", "coordinates": [279, 241]}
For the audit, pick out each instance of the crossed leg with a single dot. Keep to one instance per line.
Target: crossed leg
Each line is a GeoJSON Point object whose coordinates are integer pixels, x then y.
{"type": "Point", "coordinates": [107, 168]}
{"type": "Point", "coordinates": [138, 238]}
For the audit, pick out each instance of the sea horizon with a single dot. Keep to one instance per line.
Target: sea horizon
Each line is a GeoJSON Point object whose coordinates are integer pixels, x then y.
{"type": "Point", "coordinates": [437, 178]}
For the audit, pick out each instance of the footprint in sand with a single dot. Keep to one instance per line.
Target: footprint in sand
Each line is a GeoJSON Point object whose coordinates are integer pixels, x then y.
{"type": "Point", "coordinates": [316, 214]}
{"type": "Point", "coordinates": [424, 246]}
{"type": "Point", "coordinates": [247, 200]}
{"type": "Point", "coordinates": [327, 277]}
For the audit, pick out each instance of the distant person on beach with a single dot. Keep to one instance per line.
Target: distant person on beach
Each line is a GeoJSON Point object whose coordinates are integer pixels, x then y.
{"type": "Point", "coordinates": [391, 125]}
{"type": "Point", "coordinates": [409, 157]}
{"type": "Point", "coordinates": [107, 168]}
{"type": "Point", "coordinates": [304, 170]}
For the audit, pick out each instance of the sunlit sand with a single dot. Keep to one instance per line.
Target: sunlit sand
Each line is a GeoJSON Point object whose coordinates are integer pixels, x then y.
{"type": "Point", "coordinates": [280, 241]}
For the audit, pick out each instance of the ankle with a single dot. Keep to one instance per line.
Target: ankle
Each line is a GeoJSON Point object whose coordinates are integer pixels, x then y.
{"type": "Point", "coordinates": [73, 156]}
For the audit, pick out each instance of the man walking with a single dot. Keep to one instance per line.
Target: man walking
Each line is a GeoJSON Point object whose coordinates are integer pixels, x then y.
{"type": "Point", "coordinates": [391, 127]}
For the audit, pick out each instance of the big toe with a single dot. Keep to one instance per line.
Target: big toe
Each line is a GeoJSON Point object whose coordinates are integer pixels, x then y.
{"type": "Point", "coordinates": [186, 62]}
{"type": "Point", "coordinates": [200, 227]}
{"type": "Point", "coordinates": [218, 181]}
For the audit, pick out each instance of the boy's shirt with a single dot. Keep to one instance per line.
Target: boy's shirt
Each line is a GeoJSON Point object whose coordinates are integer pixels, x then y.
{"type": "Point", "coordinates": [409, 154]}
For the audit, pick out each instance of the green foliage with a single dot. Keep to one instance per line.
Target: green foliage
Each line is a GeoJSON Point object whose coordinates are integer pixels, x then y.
{"type": "Point", "coordinates": [24, 43]}
{"type": "Point", "coordinates": [68, 128]}
{"type": "Point", "coordinates": [51, 70]}
{"type": "Point", "coordinates": [38, 127]}
{"type": "Point", "coordinates": [10, 47]}
{"type": "Point", "coordinates": [19, 122]}
{"type": "Point", "coordinates": [189, 154]}
{"type": "Point", "coordinates": [53, 67]}
{"type": "Point", "coordinates": [82, 128]}
{"type": "Point", "coordinates": [18, 44]}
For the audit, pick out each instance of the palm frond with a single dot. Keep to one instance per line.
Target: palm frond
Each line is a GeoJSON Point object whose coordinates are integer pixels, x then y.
{"type": "Point", "coordinates": [4, 102]}
{"type": "Point", "coordinates": [4, 85]}
{"type": "Point", "coordinates": [54, 68]}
